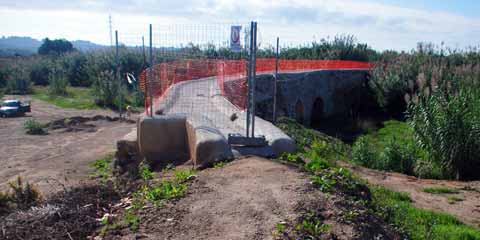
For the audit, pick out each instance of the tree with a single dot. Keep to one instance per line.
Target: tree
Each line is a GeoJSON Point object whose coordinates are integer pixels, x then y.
{"type": "Point", "coordinates": [55, 47]}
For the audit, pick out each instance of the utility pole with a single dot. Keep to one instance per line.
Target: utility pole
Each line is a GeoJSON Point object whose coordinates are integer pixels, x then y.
{"type": "Point", "coordinates": [110, 25]}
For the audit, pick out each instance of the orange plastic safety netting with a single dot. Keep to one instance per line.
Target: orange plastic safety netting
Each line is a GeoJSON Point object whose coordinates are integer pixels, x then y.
{"type": "Point", "coordinates": [230, 74]}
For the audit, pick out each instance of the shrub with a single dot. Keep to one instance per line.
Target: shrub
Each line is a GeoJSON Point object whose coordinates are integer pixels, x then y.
{"type": "Point", "coordinates": [24, 195]}
{"type": "Point", "coordinates": [57, 81]}
{"type": "Point", "coordinates": [33, 127]}
{"type": "Point", "coordinates": [5, 202]}
{"type": "Point", "coordinates": [40, 72]}
{"type": "Point", "coordinates": [76, 69]}
{"type": "Point", "coordinates": [447, 125]}
{"type": "Point", "coordinates": [108, 91]}
{"type": "Point", "coordinates": [18, 81]}
{"type": "Point", "coordinates": [397, 158]}
{"type": "Point", "coordinates": [363, 152]}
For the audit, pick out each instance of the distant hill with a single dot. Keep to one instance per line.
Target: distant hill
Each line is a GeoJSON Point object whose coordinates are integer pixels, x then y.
{"type": "Point", "coordinates": [10, 46]}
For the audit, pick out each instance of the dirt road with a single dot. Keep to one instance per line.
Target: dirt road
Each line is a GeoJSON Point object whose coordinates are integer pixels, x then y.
{"type": "Point", "coordinates": [247, 199]}
{"type": "Point", "coordinates": [59, 158]}
{"type": "Point", "coordinates": [467, 209]}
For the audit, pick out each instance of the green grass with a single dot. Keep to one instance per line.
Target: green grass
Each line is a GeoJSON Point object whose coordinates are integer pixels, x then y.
{"type": "Point", "coordinates": [102, 167]}
{"type": "Point", "coordinates": [396, 208]}
{"type": "Point", "coordinates": [77, 98]}
{"type": "Point", "coordinates": [441, 190]}
{"type": "Point", "coordinates": [401, 131]}
{"type": "Point", "coordinates": [453, 199]}
{"type": "Point", "coordinates": [307, 139]}
{"type": "Point", "coordinates": [419, 223]}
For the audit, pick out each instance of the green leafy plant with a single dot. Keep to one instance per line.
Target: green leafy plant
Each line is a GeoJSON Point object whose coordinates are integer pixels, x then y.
{"type": "Point", "coordinates": [184, 175]}
{"type": "Point", "coordinates": [363, 152]}
{"type": "Point", "coordinates": [33, 127]}
{"type": "Point", "coordinates": [103, 167]}
{"type": "Point", "coordinates": [132, 220]}
{"type": "Point", "coordinates": [324, 183]}
{"type": "Point", "coordinates": [313, 226]}
{"type": "Point", "coordinates": [145, 172]}
{"type": "Point", "coordinates": [219, 164]}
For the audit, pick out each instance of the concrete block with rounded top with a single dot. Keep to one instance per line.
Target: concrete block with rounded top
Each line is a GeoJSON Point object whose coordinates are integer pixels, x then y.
{"type": "Point", "coordinates": [163, 139]}
{"type": "Point", "coordinates": [207, 145]}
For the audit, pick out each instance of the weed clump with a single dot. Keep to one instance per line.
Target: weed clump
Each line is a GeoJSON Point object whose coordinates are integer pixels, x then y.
{"type": "Point", "coordinates": [22, 195]}
{"type": "Point", "coordinates": [103, 168]}
{"type": "Point", "coordinates": [33, 127]}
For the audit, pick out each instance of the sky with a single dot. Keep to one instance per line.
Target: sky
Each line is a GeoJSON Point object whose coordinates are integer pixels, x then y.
{"type": "Point", "coordinates": [382, 24]}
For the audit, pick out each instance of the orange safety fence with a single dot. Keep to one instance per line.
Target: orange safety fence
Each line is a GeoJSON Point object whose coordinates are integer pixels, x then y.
{"type": "Point", "coordinates": [231, 74]}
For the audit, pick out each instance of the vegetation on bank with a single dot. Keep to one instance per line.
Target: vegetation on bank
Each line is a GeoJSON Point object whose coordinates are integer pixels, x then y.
{"type": "Point", "coordinates": [321, 152]}
{"type": "Point", "coordinates": [74, 97]}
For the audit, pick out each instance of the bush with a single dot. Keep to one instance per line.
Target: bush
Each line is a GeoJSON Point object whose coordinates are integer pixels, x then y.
{"type": "Point", "coordinates": [4, 203]}
{"type": "Point", "coordinates": [447, 125]}
{"type": "Point", "coordinates": [108, 91]}
{"type": "Point", "coordinates": [76, 69]}
{"type": "Point", "coordinates": [23, 195]}
{"type": "Point", "coordinates": [363, 152]}
{"type": "Point", "coordinates": [57, 81]}
{"type": "Point", "coordinates": [33, 127]}
{"type": "Point", "coordinates": [18, 81]}
{"type": "Point", "coordinates": [40, 72]}
{"type": "Point", "coordinates": [398, 158]}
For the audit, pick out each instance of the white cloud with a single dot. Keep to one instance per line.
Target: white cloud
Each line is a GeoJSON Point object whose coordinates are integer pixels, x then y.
{"type": "Point", "coordinates": [382, 26]}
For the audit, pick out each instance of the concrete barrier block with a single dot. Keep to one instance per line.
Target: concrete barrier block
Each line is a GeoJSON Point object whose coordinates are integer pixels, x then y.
{"type": "Point", "coordinates": [163, 139]}
{"type": "Point", "coordinates": [208, 145]}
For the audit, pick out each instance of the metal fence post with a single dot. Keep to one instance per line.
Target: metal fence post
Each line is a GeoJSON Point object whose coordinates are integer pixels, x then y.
{"type": "Point", "coordinates": [249, 80]}
{"type": "Point", "coordinates": [150, 85]}
{"type": "Point", "coordinates": [254, 75]}
{"type": "Point", "coordinates": [117, 75]}
{"type": "Point", "coordinates": [274, 119]}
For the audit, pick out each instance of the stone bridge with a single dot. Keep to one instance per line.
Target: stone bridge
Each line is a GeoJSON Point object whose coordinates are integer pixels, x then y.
{"type": "Point", "coordinates": [193, 119]}
{"type": "Point", "coordinates": [312, 96]}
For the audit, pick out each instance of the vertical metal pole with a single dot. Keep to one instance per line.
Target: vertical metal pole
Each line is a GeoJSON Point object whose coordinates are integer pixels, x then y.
{"type": "Point", "coordinates": [249, 79]}
{"type": "Point", "coordinates": [117, 75]}
{"type": "Point", "coordinates": [150, 82]}
{"type": "Point", "coordinates": [274, 119]}
{"type": "Point", "coordinates": [254, 74]}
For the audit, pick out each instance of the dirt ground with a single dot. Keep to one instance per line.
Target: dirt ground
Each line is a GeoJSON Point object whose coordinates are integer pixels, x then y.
{"type": "Point", "coordinates": [60, 158]}
{"type": "Point", "coordinates": [247, 199]}
{"type": "Point", "coordinates": [467, 210]}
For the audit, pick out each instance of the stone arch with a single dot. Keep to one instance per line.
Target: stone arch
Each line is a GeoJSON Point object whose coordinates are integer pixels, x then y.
{"type": "Point", "coordinates": [299, 111]}
{"type": "Point", "coordinates": [318, 110]}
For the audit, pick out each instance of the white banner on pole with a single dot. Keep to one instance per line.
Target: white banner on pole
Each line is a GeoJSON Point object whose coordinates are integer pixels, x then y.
{"type": "Point", "coordinates": [235, 44]}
